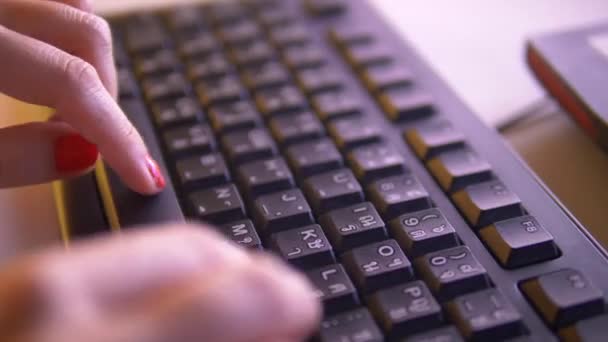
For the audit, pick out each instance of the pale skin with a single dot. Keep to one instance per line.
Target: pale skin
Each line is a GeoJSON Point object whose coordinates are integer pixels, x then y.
{"type": "Point", "coordinates": [173, 283]}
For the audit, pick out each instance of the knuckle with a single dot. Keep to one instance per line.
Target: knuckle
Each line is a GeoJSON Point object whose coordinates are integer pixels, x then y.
{"type": "Point", "coordinates": [80, 73]}
{"type": "Point", "coordinates": [98, 30]}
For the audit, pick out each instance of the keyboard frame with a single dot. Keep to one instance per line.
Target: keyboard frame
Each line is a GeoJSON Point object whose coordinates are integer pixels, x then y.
{"type": "Point", "coordinates": [96, 202]}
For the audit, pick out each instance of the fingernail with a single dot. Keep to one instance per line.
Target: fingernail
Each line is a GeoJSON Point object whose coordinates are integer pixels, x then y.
{"type": "Point", "coordinates": [154, 170]}
{"type": "Point", "coordinates": [74, 153]}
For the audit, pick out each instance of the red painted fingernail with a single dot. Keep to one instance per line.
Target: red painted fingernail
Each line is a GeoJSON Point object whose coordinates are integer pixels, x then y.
{"type": "Point", "coordinates": [155, 172]}
{"type": "Point", "coordinates": [74, 153]}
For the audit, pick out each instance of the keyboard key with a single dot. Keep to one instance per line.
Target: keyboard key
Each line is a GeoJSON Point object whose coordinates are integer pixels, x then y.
{"type": "Point", "coordinates": [384, 77]}
{"type": "Point", "coordinates": [163, 87]}
{"type": "Point", "coordinates": [423, 232]}
{"type": "Point", "coordinates": [127, 87]}
{"type": "Point", "coordinates": [375, 161]}
{"type": "Point", "coordinates": [356, 325]}
{"type": "Point", "coordinates": [246, 146]}
{"type": "Point", "coordinates": [318, 80]}
{"type": "Point", "coordinates": [332, 190]}
{"type": "Point", "coordinates": [227, 13]}
{"type": "Point", "coordinates": [353, 226]}
{"type": "Point", "coordinates": [189, 139]}
{"type": "Point", "coordinates": [406, 309]}
{"type": "Point", "coordinates": [397, 195]}
{"type": "Point", "coordinates": [335, 104]}
{"type": "Point", "coordinates": [519, 242]}
{"type": "Point", "coordinates": [233, 116]}
{"type": "Point", "coordinates": [564, 297]}
{"type": "Point", "coordinates": [325, 8]}
{"type": "Point", "coordinates": [368, 55]}
{"type": "Point", "coordinates": [281, 100]}
{"type": "Point", "coordinates": [200, 44]}
{"type": "Point", "coordinates": [289, 129]}
{"type": "Point", "coordinates": [276, 16]}
{"type": "Point", "coordinates": [253, 53]}
{"type": "Point", "coordinates": [143, 37]}
{"type": "Point", "coordinates": [265, 176]}
{"type": "Point", "coordinates": [452, 272]}
{"type": "Point", "coordinates": [242, 32]}
{"type": "Point", "coordinates": [377, 265]}
{"type": "Point", "coordinates": [217, 205]}
{"type": "Point", "coordinates": [485, 203]}
{"type": "Point", "coordinates": [445, 334]}
{"type": "Point", "coordinates": [352, 132]}
{"type": "Point", "coordinates": [263, 76]}
{"type": "Point", "coordinates": [589, 330]}
{"type": "Point", "coordinates": [305, 247]}
{"type": "Point", "coordinates": [157, 62]}
{"type": "Point", "coordinates": [404, 104]}
{"type": "Point", "coordinates": [430, 139]}
{"type": "Point", "coordinates": [293, 34]}
{"type": "Point", "coordinates": [242, 233]}
{"type": "Point", "coordinates": [485, 315]}
{"type": "Point", "coordinates": [304, 57]}
{"type": "Point", "coordinates": [314, 157]}
{"type": "Point", "coordinates": [220, 90]}
{"type": "Point", "coordinates": [202, 171]}
{"type": "Point", "coordinates": [185, 18]}
{"type": "Point", "coordinates": [184, 110]}
{"type": "Point", "coordinates": [456, 169]}
{"type": "Point", "coordinates": [334, 288]}
{"type": "Point", "coordinates": [282, 210]}
{"type": "Point", "coordinates": [351, 35]}
{"type": "Point", "coordinates": [209, 67]}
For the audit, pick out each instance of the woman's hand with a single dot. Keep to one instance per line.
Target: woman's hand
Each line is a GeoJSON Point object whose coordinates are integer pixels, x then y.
{"type": "Point", "coordinates": [58, 54]}
{"type": "Point", "coordinates": [180, 283]}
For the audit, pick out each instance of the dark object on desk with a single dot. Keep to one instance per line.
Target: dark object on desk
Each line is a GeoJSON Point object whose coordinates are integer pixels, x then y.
{"type": "Point", "coordinates": [319, 134]}
{"type": "Point", "coordinates": [573, 67]}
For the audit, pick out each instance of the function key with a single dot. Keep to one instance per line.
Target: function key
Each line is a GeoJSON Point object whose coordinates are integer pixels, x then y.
{"type": "Point", "coordinates": [289, 129]}
{"type": "Point", "coordinates": [445, 334]}
{"type": "Point", "coordinates": [323, 8]}
{"type": "Point", "coordinates": [282, 210]}
{"type": "Point", "coordinates": [211, 66]}
{"type": "Point", "coordinates": [485, 203]}
{"type": "Point", "coordinates": [355, 325]}
{"type": "Point", "coordinates": [167, 86]}
{"type": "Point", "coordinates": [242, 32]}
{"type": "Point", "coordinates": [520, 241]}
{"type": "Point", "coordinates": [304, 247]}
{"type": "Point", "coordinates": [452, 272]}
{"type": "Point", "coordinates": [423, 232]}
{"type": "Point", "coordinates": [293, 34]}
{"type": "Point", "coordinates": [405, 104]}
{"type": "Point", "coordinates": [334, 288]}
{"type": "Point", "coordinates": [304, 57]}
{"type": "Point", "coordinates": [252, 53]}
{"type": "Point", "coordinates": [589, 330]}
{"type": "Point", "coordinates": [432, 138]}
{"type": "Point", "coordinates": [265, 176]}
{"type": "Point", "coordinates": [353, 132]}
{"type": "Point", "coordinates": [157, 62]}
{"type": "Point", "coordinates": [220, 90]}
{"type": "Point", "coordinates": [368, 55]}
{"type": "Point", "coordinates": [485, 315]}
{"type": "Point", "coordinates": [378, 265]}
{"type": "Point", "coordinates": [285, 99]}
{"type": "Point", "coordinates": [381, 78]}
{"type": "Point", "coordinates": [200, 44]}
{"type": "Point", "coordinates": [318, 80]}
{"type": "Point", "coordinates": [335, 104]}
{"type": "Point", "coordinates": [245, 146]}
{"type": "Point", "coordinates": [353, 226]}
{"type": "Point", "coordinates": [189, 139]}
{"type": "Point", "coordinates": [406, 309]}
{"type": "Point", "coordinates": [399, 194]}
{"type": "Point", "coordinates": [375, 161]}
{"type": "Point", "coordinates": [233, 116]}
{"type": "Point", "coordinates": [332, 190]}
{"type": "Point", "coordinates": [564, 297]}
{"type": "Point", "coordinates": [266, 75]}
{"type": "Point", "coordinates": [217, 205]}
{"type": "Point", "coordinates": [242, 233]}
{"type": "Point", "coordinates": [202, 171]}
{"type": "Point", "coordinates": [185, 19]}
{"type": "Point", "coordinates": [184, 110]}
{"type": "Point", "coordinates": [455, 169]}
{"type": "Point", "coordinates": [314, 157]}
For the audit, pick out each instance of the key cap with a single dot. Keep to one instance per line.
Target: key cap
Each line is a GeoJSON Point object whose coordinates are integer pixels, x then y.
{"type": "Point", "coordinates": [293, 34]}
{"type": "Point", "coordinates": [220, 90]}
{"type": "Point", "coordinates": [432, 138]}
{"type": "Point", "coordinates": [217, 205]}
{"type": "Point", "coordinates": [164, 87]}
{"type": "Point", "coordinates": [405, 104]}
{"type": "Point", "coordinates": [181, 111]}
{"type": "Point", "coordinates": [304, 57]}
{"type": "Point", "coordinates": [198, 45]}
{"type": "Point", "coordinates": [229, 117]}
{"type": "Point", "coordinates": [227, 13]}
{"type": "Point", "coordinates": [281, 210]}
{"type": "Point", "coordinates": [265, 176]}
{"type": "Point", "coordinates": [353, 226]}
{"type": "Point", "coordinates": [140, 39]}
{"type": "Point", "coordinates": [452, 272]}
{"type": "Point", "coordinates": [157, 62]}
{"type": "Point", "coordinates": [246, 146]}
{"type": "Point", "coordinates": [127, 87]}
{"type": "Point", "coordinates": [202, 171]}
{"type": "Point", "coordinates": [371, 162]}
{"type": "Point", "coordinates": [242, 233]}
{"type": "Point", "coordinates": [405, 309]}
{"type": "Point", "coordinates": [353, 132]}
{"type": "Point", "coordinates": [456, 169]}
{"type": "Point", "coordinates": [264, 76]}
{"type": "Point", "coordinates": [423, 232]}
{"type": "Point", "coordinates": [305, 247]}
{"type": "Point", "coordinates": [253, 53]}
{"type": "Point", "coordinates": [334, 288]}
{"type": "Point", "coordinates": [351, 35]}
{"type": "Point", "coordinates": [242, 32]}
{"type": "Point", "coordinates": [445, 334]}
{"type": "Point", "coordinates": [381, 78]}
{"type": "Point", "coordinates": [286, 99]}
{"type": "Point", "coordinates": [369, 55]}
{"type": "Point", "coordinates": [377, 265]}
{"type": "Point", "coordinates": [290, 129]}
{"type": "Point", "coordinates": [397, 195]}
{"type": "Point", "coordinates": [332, 190]}
{"type": "Point", "coordinates": [335, 104]}
{"type": "Point", "coordinates": [319, 80]}
{"type": "Point", "coordinates": [213, 66]}
{"type": "Point", "coordinates": [186, 140]}
{"type": "Point", "coordinates": [276, 16]}
{"type": "Point", "coordinates": [355, 325]}
{"type": "Point", "coordinates": [485, 316]}
{"type": "Point", "coordinates": [564, 297]}
{"type": "Point", "coordinates": [486, 203]}
{"type": "Point", "coordinates": [589, 330]}
{"type": "Point", "coordinates": [314, 157]}
{"type": "Point", "coordinates": [519, 242]}
{"type": "Point", "coordinates": [325, 8]}
{"type": "Point", "coordinates": [185, 18]}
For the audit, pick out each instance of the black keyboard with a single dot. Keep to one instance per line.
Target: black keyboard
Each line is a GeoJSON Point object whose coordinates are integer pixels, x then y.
{"type": "Point", "coordinates": [310, 129]}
